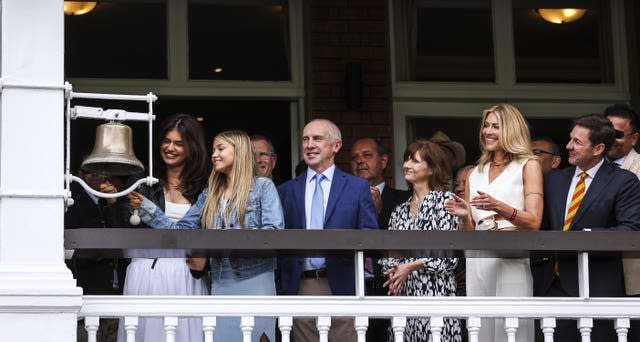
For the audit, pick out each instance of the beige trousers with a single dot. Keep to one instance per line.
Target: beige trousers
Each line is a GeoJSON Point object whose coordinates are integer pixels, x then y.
{"type": "Point", "coordinates": [304, 329]}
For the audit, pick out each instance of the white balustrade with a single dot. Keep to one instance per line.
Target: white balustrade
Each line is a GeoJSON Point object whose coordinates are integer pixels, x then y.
{"type": "Point", "coordinates": [397, 309]}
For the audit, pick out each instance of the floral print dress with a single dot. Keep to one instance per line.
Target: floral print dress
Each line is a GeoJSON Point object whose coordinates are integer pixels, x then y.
{"type": "Point", "coordinates": [436, 277]}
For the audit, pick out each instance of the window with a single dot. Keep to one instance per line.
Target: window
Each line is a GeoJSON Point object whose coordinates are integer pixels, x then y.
{"type": "Point", "coordinates": [118, 40]}
{"type": "Point", "coordinates": [232, 41]}
{"type": "Point", "coordinates": [444, 41]}
{"type": "Point", "coordinates": [575, 52]}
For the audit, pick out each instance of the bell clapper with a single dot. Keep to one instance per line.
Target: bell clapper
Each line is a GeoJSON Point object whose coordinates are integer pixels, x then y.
{"type": "Point", "coordinates": [135, 218]}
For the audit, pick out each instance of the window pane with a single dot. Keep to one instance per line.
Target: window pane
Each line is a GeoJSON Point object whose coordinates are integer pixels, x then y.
{"type": "Point", "coordinates": [574, 52]}
{"type": "Point", "coordinates": [239, 42]}
{"type": "Point", "coordinates": [444, 41]}
{"type": "Point", "coordinates": [118, 40]}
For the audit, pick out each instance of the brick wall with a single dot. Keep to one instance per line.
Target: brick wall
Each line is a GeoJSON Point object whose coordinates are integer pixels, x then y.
{"type": "Point", "coordinates": [344, 31]}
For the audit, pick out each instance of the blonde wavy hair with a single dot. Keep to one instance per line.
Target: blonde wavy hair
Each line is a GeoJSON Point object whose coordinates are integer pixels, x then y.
{"type": "Point", "coordinates": [243, 172]}
{"type": "Point", "coordinates": [514, 139]}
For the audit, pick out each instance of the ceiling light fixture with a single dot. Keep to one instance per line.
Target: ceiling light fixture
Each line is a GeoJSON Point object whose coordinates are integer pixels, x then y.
{"type": "Point", "coordinates": [561, 15]}
{"type": "Point", "coordinates": [79, 7]}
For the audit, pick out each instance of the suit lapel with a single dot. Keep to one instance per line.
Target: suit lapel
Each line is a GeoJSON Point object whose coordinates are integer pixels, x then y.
{"type": "Point", "coordinates": [598, 184]}
{"type": "Point", "coordinates": [299, 189]}
{"type": "Point", "coordinates": [337, 186]}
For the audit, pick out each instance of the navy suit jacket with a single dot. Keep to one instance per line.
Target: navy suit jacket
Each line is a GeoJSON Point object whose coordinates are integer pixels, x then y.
{"type": "Point", "coordinates": [350, 206]}
{"type": "Point", "coordinates": [611, 203]}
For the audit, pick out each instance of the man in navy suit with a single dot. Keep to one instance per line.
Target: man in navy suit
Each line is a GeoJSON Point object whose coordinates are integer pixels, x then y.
{"type": "Point", "coordinates": [347, 205]}
{"type": "Point", "coordinates": [611, 202]}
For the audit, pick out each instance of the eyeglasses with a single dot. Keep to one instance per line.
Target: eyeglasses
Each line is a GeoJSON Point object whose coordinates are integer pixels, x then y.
{"type": "Point", "coordinates": [620, 134]}
{"type": "Point", "coordinates": [264, 155]}
{"type": "Point", "coordinates": [538, 152]}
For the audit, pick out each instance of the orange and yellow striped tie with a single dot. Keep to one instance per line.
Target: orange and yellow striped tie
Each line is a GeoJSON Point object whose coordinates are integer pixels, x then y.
{"type": "Point", "coordinates": [578, 195]}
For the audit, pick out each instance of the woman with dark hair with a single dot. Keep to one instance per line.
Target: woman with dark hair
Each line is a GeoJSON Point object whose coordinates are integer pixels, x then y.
{"type": "Point", "coordinates": [237, 198]}
{"type": "Point", "coordinates": [182, 166]}
{"type": "Point", "coordinates": [427, 170]}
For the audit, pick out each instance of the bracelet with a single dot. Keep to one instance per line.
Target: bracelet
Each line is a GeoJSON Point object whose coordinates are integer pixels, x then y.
{"type": "Point", "coordinates": [513, 214]}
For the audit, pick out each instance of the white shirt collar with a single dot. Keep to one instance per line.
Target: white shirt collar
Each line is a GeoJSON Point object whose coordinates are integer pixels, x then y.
{"type": "Point", "coordinates": [591, 172]}
{"type": "Point", "coordinates": [327, 173]}
{"type": "Point", "coordinates": [380, 187]}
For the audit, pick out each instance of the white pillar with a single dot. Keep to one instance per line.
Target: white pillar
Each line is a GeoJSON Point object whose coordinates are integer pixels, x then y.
{"type": "Point", "coordinates": [38, 296]}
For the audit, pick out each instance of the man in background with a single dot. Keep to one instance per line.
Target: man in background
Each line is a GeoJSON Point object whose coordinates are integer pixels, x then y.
{"type": "Point", "coordinates": [97, 276]}
{"type": "Point", "coordinates": [265, 155]}
{"type": "Point", "coordinates": [623, 153]}
{"type": "Point", "coordinates": [548, 153]}
{"type": "Point", "coordinates": [369, 159]}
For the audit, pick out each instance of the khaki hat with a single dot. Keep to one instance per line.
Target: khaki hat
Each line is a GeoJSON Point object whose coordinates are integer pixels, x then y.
{"type": "Point", "coordinates": [442, 139]}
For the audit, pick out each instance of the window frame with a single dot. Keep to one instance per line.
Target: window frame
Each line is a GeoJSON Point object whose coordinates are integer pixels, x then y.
{"type": "Point", "coordinates": [178, 83]}
{"type": "Point", "coordinates": [504, 57]}
{"type": "Point", "coordinates": [539, 100]}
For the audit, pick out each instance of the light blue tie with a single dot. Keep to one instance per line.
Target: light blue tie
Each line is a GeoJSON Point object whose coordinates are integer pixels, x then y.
{"type": "Point", "coordinates": [317, 215]}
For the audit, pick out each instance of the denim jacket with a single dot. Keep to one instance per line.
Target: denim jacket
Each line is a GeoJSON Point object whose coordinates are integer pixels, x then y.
{"type": "Point", "coordinates": [264, 211]}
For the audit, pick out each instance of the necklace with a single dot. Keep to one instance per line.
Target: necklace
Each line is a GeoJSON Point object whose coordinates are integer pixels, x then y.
{"type": "Point", "coordinates": [500, 163]}
{"type": "Point", "coordinates": [174, 183]}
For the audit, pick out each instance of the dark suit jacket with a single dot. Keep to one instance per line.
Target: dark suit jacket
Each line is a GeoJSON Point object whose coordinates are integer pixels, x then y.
{"type": "Point", "coordinates": [96, 276]}
{"type": "Point", "coordinates": [611, 203]}
{"type": "Point", "coordinates": [390, 199]}
{"type": "Point", "coordinates": [350, 206]}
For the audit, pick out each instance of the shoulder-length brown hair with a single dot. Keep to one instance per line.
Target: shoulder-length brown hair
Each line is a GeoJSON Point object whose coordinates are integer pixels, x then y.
{"type": "Point", "coordinates": [436, 159]}
{"type": "Point", "coordinates": [197, 164]}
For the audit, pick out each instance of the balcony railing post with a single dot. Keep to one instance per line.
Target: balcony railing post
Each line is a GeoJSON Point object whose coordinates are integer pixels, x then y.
{"type": "Point", "coordinates": [246, 325]}
{"type": "Point", "coordinates": [359, 265]}
{"type": "Point", "coordinates": [583, 274]}
{"type": "Point", "coordinates": [323, 323]}
{"type": "Point", "coordinates": [170, 325]}
{"type": "Point", "coordinates": [622, 326]}
{"type": "Point", "coordinates": [473, 326]}
{"type": "Point", "coordinates": [361, 323]}
{"type": "Point", "coordinates": [285, 323]}
{"type": "Point", "coordinates": [398, 325]}
{"type": "Point", "coordinates": [209, 326]}
{"type": "Point", "coordinates": [585, 325]}
{"type": "Point", "coordinates": [511, 328]}
{"type": "Point", "coordinates": [130, 326]}
{"type": "Point", "coordinates": [437, 324]}
{"type": "Point", "coordinates": [548, 326]}
{"type": "Point", "coordinates": [91, 325]}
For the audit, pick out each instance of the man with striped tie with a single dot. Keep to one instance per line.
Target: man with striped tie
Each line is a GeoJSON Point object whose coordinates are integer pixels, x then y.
{"type": "Point", "coordinates": [594, 195]}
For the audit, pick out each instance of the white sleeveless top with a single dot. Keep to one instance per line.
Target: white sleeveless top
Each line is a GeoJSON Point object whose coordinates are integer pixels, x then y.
{"type": "Point", "coordinates": [508, 187]}
{"type": "Point", "coordinates": [175, 211]}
